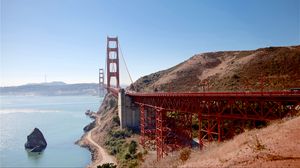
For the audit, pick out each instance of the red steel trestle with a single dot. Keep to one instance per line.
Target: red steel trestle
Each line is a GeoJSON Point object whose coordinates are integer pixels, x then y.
{"type": "Point", "coordinates": [165, 130]}
{"type": "Point", "coordinates": [147, 126]}
{"type": "Point", "coordinates": [167, 119]}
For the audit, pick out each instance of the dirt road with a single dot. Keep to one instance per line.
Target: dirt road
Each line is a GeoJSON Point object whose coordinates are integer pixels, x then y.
{"type": "Point", "coordinates": [102, 155]}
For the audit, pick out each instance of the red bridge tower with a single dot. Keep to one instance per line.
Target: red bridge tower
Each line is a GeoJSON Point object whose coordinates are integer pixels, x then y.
{"type": "Point", "coordinates": [112, 61]}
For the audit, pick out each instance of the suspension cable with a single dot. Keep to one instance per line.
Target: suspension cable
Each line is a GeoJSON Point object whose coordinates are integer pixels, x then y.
{"type": "Point", "coordinates": [125, 63]}
{"type": "Point", "coordinates": [105, 70]}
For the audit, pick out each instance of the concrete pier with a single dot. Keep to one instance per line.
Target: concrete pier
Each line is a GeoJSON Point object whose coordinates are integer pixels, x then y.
{"type": "Point", "coordinates": [128, 112]}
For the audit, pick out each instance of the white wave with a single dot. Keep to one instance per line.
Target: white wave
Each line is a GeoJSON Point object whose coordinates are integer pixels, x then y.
{"type": "Point", "coordinates": [26, 110]}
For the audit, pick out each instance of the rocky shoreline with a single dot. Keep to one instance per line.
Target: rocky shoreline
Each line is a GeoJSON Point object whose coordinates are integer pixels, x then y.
{"type": "Point", "coordinates": [94, 135]}
{"type": "Point", "coordinates": [83, 142]}
{"type": "Point", "coordinates": [96, 132]}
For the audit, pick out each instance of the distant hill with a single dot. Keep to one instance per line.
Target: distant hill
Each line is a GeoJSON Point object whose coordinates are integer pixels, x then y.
{"type": "Point", "coordinates": [54, 83]}
{"type": "Point", "coordinates": [274, 68]}
{"type": "Point", "coordinates": [51, 89]}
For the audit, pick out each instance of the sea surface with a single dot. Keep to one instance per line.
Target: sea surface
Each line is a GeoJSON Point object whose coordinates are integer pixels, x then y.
{"type": "Point", "coordinates": [60, 118]}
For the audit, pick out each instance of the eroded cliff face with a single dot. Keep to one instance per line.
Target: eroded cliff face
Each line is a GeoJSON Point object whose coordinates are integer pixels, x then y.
{"type": "Point", "coordinates": [107, 113]}
{"type": "Point", "coordinates": [274, 68]}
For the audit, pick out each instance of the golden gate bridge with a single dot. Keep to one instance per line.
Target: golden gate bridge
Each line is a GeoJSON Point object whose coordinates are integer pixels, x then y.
{"type": "Point", "coordinates": [166, 118]}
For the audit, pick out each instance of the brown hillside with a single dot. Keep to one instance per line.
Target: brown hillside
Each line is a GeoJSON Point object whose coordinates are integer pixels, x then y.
{"type": "Point", "coordinates": [274, 68]}
{"type": "Point", "coordinates": [274, 146]}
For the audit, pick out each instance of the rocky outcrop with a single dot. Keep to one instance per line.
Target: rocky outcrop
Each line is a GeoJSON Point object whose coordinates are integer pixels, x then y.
{"type": "Point", "coordinates": [91, 114]}
{"type": "Point", "coordinates": [36, 141]}
{"type": "Point", "coordinates": [89, 126]}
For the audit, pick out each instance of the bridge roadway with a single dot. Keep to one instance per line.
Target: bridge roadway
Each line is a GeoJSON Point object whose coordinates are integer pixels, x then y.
{"type": "Point", "coordinates": [166, 118]}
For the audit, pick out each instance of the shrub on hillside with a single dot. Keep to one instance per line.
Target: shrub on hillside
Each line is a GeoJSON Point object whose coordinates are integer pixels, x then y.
{"type": "Point", "coordinates": [125, 152]}
{"type": "Point", "coordinates": [132, 147]}
{"type": "Point", "coordinates": [112, 102]}
{"type": "Point", "coordinates": [121, 134]}
{"type": "Point", "coordinates": [116, 120]}
{"type": "Point", "coordinates": [185, 154]}
{"type": "Point", "coordinates": [107, 165]}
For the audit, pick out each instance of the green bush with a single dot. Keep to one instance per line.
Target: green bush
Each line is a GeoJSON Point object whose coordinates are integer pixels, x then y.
{"type": "Point", "coordinates": [133, 163]}
{"type": "Point", "coordinates": [127, 156]}
{"type": "Point", "coordinates": [114, 145]}
{"type": "Point", "coordinates": [107, 165]}
{"type": "Point", "coordinates": [132, 147]}
{"type": "Point", "coordinates": [116, 120]}
{"type": "Point", "coordinates": [112, 102]}
{"type": "Point", "coordinates": [121, 134]}
{"type": "Point", "coordinates": [124, 152]}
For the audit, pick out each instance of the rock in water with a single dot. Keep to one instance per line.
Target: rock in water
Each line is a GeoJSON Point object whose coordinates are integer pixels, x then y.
{"type": "Point", "coordinates": [89, 126]}
{"type": "Point", "coordinates": [36, 141]}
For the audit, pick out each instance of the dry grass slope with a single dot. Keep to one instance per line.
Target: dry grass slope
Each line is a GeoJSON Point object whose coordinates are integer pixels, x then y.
{"type": "Point", "coordinates": [274, 146]}
{"type": "Point", "coordinates": [274, 68]}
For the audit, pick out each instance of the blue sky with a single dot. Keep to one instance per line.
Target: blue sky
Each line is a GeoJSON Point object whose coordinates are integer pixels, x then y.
{"type": "Point", "coordinates": [65, 39]}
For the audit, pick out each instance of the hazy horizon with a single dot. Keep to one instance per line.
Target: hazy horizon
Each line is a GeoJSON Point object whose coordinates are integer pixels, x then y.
{"type": "Point", "coordinates": [29, 83]}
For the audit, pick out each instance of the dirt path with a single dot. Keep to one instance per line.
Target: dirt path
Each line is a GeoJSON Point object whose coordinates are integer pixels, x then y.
{"type": "Point", "coordinates": [103, 156]}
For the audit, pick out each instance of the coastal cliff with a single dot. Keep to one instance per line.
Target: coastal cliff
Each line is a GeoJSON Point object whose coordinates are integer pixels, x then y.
{"type": "Point", "coordinates": [94, 137]}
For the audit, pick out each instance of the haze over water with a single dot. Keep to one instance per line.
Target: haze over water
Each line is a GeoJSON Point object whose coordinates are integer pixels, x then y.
{"type": "Point", "coordinates": [60, 118]}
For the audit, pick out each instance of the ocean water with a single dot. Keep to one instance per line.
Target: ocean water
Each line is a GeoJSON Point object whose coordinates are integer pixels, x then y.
{"type": "Point", "coordinates": [60, 118]}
